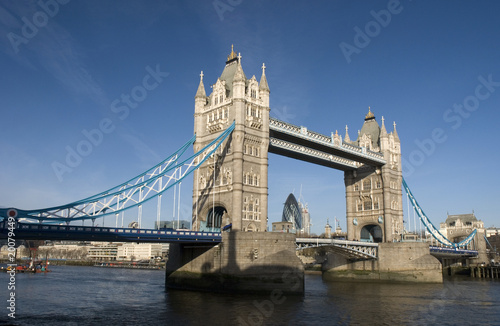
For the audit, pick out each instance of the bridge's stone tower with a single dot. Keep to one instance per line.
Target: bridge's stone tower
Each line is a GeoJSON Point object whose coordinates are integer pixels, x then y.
{"type": "Point", "coordinates": [232, 186]}
{"type": "Point", "coordinates": [373, 194]}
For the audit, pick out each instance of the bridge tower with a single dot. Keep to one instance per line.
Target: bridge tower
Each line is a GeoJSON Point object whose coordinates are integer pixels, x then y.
{"type": "Point", "coordinates": [374, 205]}
{"type": "Point", "coordinates": [231, 186]}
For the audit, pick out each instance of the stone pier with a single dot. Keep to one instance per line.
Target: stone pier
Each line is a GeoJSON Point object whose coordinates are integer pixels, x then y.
{"type": "Point", "coordinates": [242, 262]}
{"type": "Point", "coordinates": [397, 261]}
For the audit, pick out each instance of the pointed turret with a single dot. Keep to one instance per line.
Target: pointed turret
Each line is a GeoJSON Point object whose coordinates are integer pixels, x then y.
{"type": "Point", "coordinates": [239, 80]}
{"type": "Point", "coordinates": [384, 137]}
{"type": "Point", "coordinates": [263, 80]}
{"type": "Point", "coordinates": [264, 87]}
{"type": "Point", "coordinates": [239, 75]}
{"type": "Point", "coordinates": [395, 133]}
{"type": "Point", "coordinates": [200, 99]}
{"type": "Point", "coordinates": [201, 88]}
{"type": "Point", "coordinates": [346, 138]}
{"type": "Point", "coordinates": [383, 131]}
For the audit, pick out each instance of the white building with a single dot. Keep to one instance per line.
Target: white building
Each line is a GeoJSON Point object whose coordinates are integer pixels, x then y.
{"type": "Point", "coordinates": [125, 251]}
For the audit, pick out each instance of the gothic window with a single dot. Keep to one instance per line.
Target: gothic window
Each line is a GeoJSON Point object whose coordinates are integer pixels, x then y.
{"type": "Point", "coordinates": [253, 93]}
{"type": "Point", "coordinates": [356, 187]}
{"type": "Point", "coordinates": [257, 151]}
{"type": "Point", "coordinates": [216, 100]}
{"type": "Point", "coordinates": [379, 184]}
{"type": "Point", "coordinates": [367, 204]}
{"type": "Point", "coordinates": [220, 98]}
{"type": "Point", "coordinates": [367, 184]}
{"type": "Point", "coordinates": [375, 205]}
{"type": "Point", "coordinates": [360, 206]}
{"type": "Point", "coordinates": [255, 180]}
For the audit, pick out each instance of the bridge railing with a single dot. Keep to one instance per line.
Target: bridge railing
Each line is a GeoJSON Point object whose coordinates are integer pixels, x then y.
{"type": "Point", "coordinates": [95, 233]}
{"type": "Point", "coordinates": [351, 249]}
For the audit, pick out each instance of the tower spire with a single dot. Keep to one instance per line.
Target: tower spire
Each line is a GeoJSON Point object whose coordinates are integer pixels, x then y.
{"type": "Point", "coordinates": [263, 80]}
{"type": "Point", "coordinates": [232, 56]}
{"type": "Point", "coordinates": [346, 138]}
{"type": "Point", "coordinates": [383, 131]}
{"type": "Point", "coordinates": [370, 115]}
{"type": "Point", "coordinates": [201, 88]}
{"type": "Point", "coordinates": [395, 133]}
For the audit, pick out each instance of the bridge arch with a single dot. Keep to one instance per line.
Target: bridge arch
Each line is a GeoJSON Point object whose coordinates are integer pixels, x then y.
{"type": "Point", "coordinates": [251, 228]}
{"type": "Point", "coordinates": [371, 233]}
{"type": "Point", "coordinates": [215, 216]}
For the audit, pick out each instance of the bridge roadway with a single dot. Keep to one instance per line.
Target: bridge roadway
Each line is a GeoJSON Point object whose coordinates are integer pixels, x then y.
{"type": "Point", "coordinates": [29, 231]}
{"type": "Point", "coordinates": [349, 249]}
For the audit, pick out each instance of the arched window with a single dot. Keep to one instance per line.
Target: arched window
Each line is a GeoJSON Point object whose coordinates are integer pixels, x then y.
{"type": "Point", "coordinates": [367, 184]}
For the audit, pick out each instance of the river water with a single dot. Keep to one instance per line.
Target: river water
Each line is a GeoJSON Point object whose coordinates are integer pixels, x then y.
{"type": "Point", "coordinates": [107, 296]}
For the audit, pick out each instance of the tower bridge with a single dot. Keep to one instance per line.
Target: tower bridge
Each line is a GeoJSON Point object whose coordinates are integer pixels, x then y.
{"type": "Point", "coordinates": [234, 135]}
{"type": "Point", "coordinates": [233, 189]}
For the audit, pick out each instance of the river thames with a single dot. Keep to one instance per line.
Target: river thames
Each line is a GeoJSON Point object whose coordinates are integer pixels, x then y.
{"type": "Point", "coordinates": [107, 296]}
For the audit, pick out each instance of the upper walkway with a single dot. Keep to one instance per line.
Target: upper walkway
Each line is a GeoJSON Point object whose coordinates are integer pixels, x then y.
{"type": "Point", "coordinates": [299, 143]}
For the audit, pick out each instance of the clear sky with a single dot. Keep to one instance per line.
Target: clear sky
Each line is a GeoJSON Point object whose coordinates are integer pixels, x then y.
{"type": "Point", "coordinates": [431, 66]}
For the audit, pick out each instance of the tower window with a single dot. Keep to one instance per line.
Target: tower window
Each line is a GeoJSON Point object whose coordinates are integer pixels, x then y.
{"type": "Point", "coordinates": [368, 204]}
{"type": "Point", "coordinates": [367, 184]}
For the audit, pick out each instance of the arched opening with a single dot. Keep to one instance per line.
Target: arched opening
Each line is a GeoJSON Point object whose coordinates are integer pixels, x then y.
{"type": "Point", "coordinates": [371, 233]}
{"type": "Point", "coordinates": [214, 217]}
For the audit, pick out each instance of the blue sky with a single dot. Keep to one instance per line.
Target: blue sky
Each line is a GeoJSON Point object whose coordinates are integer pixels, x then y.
{"type": "Point", "coordinates": [422, 66]}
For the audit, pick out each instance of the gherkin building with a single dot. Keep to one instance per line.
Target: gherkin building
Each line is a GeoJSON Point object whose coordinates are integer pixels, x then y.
{"type": "Point", "coordinates": [292, 212]}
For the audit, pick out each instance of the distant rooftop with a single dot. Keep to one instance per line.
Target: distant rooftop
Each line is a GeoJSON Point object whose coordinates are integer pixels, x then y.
{"type": "Point", "coordinates": [462, 217]}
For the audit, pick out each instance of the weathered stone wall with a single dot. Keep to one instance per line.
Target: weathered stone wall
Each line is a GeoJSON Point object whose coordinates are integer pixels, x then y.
{"type": "Point", "coordinates": [398, 261]}
{"type": "Point", "coordinates": [243, 262]}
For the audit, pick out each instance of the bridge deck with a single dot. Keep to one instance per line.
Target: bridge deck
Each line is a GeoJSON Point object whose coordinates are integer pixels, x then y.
{"type": "Point", "coordinates": [443, 252]}
{"type": "Point", "coordinates": [28, 231]}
